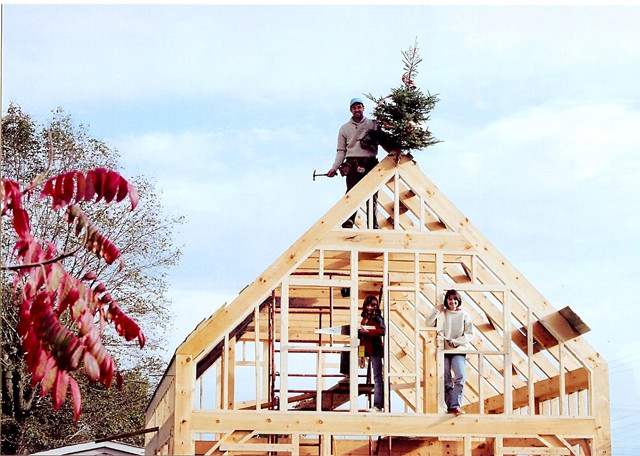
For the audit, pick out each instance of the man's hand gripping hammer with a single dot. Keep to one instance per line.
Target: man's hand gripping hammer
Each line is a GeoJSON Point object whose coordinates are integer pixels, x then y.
{"type": "Point", "coordinates": [318, 175]}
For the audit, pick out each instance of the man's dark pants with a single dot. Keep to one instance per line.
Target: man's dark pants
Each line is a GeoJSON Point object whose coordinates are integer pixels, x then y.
{"type": "Point", "coordinates": [358, 168]}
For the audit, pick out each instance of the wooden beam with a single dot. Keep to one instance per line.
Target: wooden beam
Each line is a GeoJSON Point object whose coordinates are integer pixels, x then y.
{"type": "Point", "coordinates": [544, 390]}
{"type": "Point", "coordinates": [601, 407]}
{"type": "Point", "coordinates": [161, 438]}
{"type": "Point", "coordinates": [183, 439]}
{"type": "Point", "coordinates": [574, 320]}
{"type": "Point", "coordinates": [534, 451]}
{"type": "Point", "coordinates": [161, 390]}
{"type": "Point", "coordinates": [430, 375]}
{"type": "Point", "coordinates": [392, 240]}
{"type": "Point", "coordinates": [397, 424]}
{"type": "Point", "coordinates": [128, 434]}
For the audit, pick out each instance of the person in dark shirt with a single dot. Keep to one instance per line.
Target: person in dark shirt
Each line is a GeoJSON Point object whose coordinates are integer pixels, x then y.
{"type": "Point", "coordinates": [371, 332]}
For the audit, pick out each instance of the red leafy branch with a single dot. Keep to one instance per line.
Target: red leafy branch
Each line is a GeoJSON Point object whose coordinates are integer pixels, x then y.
{"type": "Point", "coordinates": [74, 186]}
{"type": "Point", "coordinates": [62, 318]}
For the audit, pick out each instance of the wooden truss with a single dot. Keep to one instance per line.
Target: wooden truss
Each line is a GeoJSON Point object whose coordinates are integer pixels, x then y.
{"type": "Point", "coordinates": [275, 372]}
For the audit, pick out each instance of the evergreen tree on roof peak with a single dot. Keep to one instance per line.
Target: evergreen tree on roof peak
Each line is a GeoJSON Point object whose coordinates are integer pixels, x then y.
{"type": "Point", "coordinates": [402, 115]}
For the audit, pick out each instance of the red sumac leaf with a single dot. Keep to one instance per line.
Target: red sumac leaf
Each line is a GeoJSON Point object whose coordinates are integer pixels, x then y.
{"type": "Point", "coordinates": [79, 227]}
{"type": "Point", "coordinates": [40, 368]}
{"type": "Point", "coordinates": [73, 212]}
{"type": "Point", "coordinates": [91, 367]}
{"type": "Point", "coordinates": [51, 329]}
{"type": "Point", "coordinates": [68, 299]}
{"type": "Point", "coordinates": [76, 398]}
{"type": "Point", "coordinates": [60, 388]}
{"type": "Point", "coordinates": [101, 246]}
{"type": "Point", "coordinates": [36, 278]}
{"type": "Point", "coordinates": [75, 352]}
{"type": "Point", "coordinates": [51, 371]}
{"type": "Point", "coordinates": [106, 370]}
{"type": "Point", "coordinates": [68, 188]}
{"type": "Point", "coordinates": [21, 223]}
{"type": "Point", "coordinates": [63, 338]}
{"type": "Point", "coordinates": [106, 299]}
{"type": "Point", "coordinates": [99, 288]}
{"type": "Point", "coordinates": [100, 175]}
{"type": "Point", "coordinates": [48, 189]}
{"type": "Point", "coordinates": [123, 189]}
{"type": "Point", "coordinates": [80, 306]}
{"type": "Point", "coordinates": [90, 186]}
{"type": "Point", "coordinates": [85, 323]}
{"type": "Point", "coordinates": [54, 277]}
{"type": "Point", "coordinates": [57, 191]}
{"type": "Point", "coordinates": [81, 184]}
{"type": "Point", "coordinates": [24, 321]}
{"type": "Point", "coordinates": [119, 381]}
{"type": "Point", "coordinates": [31, 346]}
{"type": "Point", "coordinates": [133, 196]}
{"type": "Point", "coordinates": [110, 185]}
{"type": "Point", "coordinates": [91, 334]}
{"type": "Point", "coordinates": [11, 196]}
{"type": "Point", "coordinates": [89, 276]}
{"type": "Point", "coordinates": [109, 251]}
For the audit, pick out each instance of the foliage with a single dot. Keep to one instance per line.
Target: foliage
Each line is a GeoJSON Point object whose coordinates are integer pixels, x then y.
{"type": "Point", "coordinates": [403, 114]}
{"type": "Point", "coordinates": [50, 294]}
{"type": "Point", "coordinates": [86, 319]}
{"type": "Point", "coordinates": [30, 424]}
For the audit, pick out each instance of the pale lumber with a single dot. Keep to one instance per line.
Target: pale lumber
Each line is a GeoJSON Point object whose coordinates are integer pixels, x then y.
{"type": "Point", "coordinates": [574, 320]}
{"type": "Point", "coordinates": [409, 200]}
{"type": "Point", "coordinates": [600, 407]}
{"type": "Point", "coordinates": [183, 442]}
{"type": "Point", "coordinates": [390, 240]}
{"type": "Point", "coordinates": [160, 393]}
{"type": "Point", "coordinates": [534, 450]}
{"type": "Point", "coordinates": [365, 423]}
{"type": "Point", "coordinates": [386, 203]}
{"type": "Point", "coordinates": [161, 437]}
{"type": "Point", "coordinates": [543, 390]}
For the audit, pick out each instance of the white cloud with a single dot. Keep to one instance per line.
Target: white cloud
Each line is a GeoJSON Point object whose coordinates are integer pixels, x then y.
{"type": "Point", "coordinates": [167, 153]}
{"type": "Point", "coordinates": [557, 146]}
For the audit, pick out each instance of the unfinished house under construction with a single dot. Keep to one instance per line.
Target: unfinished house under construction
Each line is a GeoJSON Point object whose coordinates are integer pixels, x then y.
{"type": "Point", "coordinates": [276, 372]}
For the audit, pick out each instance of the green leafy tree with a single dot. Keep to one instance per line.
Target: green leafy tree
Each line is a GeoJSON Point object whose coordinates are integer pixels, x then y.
{"type": "Point", "coordinates": [404, 113]}
{"type": "Point", "coordinates": [125, 293]}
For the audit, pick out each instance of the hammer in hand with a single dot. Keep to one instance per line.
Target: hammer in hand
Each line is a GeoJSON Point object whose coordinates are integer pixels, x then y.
{"type": "Point", "coordinates": [317, 175]}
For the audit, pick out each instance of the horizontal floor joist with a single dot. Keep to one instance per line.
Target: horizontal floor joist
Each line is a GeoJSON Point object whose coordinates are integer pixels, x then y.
{"type": "Point", "coordinates": [396, 424]}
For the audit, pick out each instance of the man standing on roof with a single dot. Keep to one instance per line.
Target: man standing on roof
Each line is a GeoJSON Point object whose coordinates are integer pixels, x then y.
{"type": "Point", "coordinates": [356, 153]}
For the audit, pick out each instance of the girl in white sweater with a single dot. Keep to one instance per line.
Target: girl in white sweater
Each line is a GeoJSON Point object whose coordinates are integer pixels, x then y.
{"type": "Point", "coordinates": [457, 331]}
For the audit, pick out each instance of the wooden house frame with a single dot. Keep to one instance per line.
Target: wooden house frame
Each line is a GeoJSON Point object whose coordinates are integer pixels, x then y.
{"type": "Point", "coordinates": [275, 371]}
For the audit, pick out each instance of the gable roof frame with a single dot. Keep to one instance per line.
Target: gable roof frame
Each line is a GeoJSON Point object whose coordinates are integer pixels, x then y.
{"type": "Point", "coordinates": [429, 224]}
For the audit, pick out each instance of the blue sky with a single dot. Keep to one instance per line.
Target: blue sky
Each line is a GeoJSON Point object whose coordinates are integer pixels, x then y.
{"type": "Point", "coordinates": [229, 109]}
